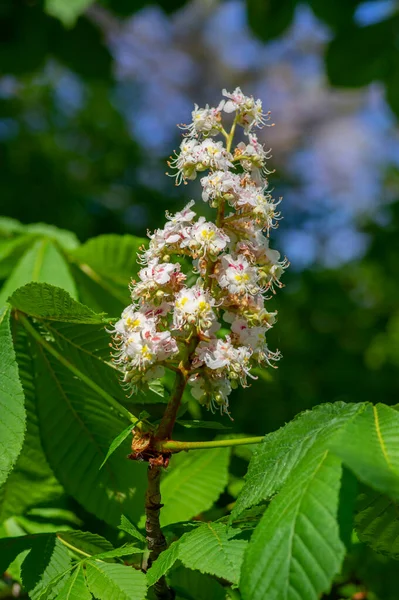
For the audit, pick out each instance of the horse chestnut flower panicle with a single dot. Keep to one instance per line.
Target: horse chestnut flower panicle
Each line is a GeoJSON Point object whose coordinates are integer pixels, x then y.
{"type": "Point", "coordinates": [175, 322]}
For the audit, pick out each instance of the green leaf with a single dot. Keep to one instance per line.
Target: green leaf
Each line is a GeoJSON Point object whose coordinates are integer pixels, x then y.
{"type": "Point", "coordinates": [296, 550]}
{"type": "Point", "coordinates": [31, 481]}
{"type": "Point", "coordinates": [75, 587]}
{"type": "Point", "coordinates": [76, 427]}
{"type": "Point", "coordinates": [210, 548]}
{"type": "Point", "coordinates": [43, 263]}
{"type": "Point", "coordinates": [192, 585]}
{"type": "Point", "coordinates": [125, 550]}
{"type": "Point", "coordinates": [269, 18]}
{"type": "Point", "coordinates": [12, 411]}
{"type": "Point", "coordinates": [115, 582]}
{"type": "Point", "coordinates": [113, 257]}
{"type": "Point", "coordinates": [196, 424]}
{"type": "Point", "coordinates": [11, 251]}
{"type": "Point", "coordinates": [377, 522]}
{"type": "Point", "coordinates": [280, 452]}
{"type": "Point", "coordinates": [129, 528]}
{"type": "Point", "coordinates": [67, 11]}
{"type": "Point", "coordinates": [88, 543]}
{"type": "Point", "coordinates": [369, 446]}
{"type": "Point", "coordinates": [117, 442]}
{"type": "Point", "coordinates": [65, 239]}
{"type": "Point", "coordinates": [359, 55]}
{"type": "Point", "coordinates": [193, 483]}
{"type": "Point", "coordinates": [46, 301]}
{"type": "Point", "coordinates": [105, 266]}
{"type": "Point", "coordinates": [45, 558]}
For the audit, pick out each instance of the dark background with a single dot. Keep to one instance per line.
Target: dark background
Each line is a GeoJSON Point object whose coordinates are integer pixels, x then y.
{"type": "Point", "coordinates": [88, 111]}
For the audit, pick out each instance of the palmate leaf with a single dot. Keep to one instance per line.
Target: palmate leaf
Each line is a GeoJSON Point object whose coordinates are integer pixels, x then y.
{"type": "Point", "coordinates": [77, 427]}
{"type": "Point", "coordinates": [45, 559]}
{"type": "Point", "coordinates": [115, 582]}
{"type": "Point", "coordinates": [296, 549]}
{"type": "Point", "coordinates": [31, 481]}
{"type": "Point", "coordinates": [377, 522]}
{"type": "Point", "coordinates": [194, 482]}
{"type": "Point", "coordinates": [280, 452]}
{"type": "Point", "coordinates": [75, 587]}
{"type": "Point", "coordinates": [369, 446]}
{"type": "Point", "coordinates": [42, 262]}
{"type": "Point", "coordinates": [210, 548]}
{"type": "Point", "coordinates": [12, 411]}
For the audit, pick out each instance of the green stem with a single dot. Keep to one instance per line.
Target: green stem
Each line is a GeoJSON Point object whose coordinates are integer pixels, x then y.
{"type": "Point", "coordinates": [174, 446]}
{"type": "Point", "coordinates": [89, 382]}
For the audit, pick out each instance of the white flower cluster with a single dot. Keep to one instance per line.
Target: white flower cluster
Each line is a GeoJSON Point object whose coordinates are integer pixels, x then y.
{"type": "Point", "coordinates": [179, 326]}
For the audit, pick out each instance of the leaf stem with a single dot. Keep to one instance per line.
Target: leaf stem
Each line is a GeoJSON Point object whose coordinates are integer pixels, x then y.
{"type": "Point", "coordinates": [175, 446]}
{"type": "Point", "coordinates": [89, 382]}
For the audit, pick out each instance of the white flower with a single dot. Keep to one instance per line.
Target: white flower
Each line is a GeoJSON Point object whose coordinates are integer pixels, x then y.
{"type": "Point", "coordinates": [206, 238]}
{"type": "Point", "coordinates": [197, 156]}
{"type": "Point", "coordinates": [220, 355]}
{"type": "Point", "coordinates": [262, 207]}
{"type": "Point", "coordinates": [133, 320]}
{"type": "Point", "coordinates": [249, 111]}
{"type": "Point", "coordinates": [146, 347]}
{"type": "Point", "coordinates": [221, 184]}
{"type": "Point", "coordinates": [252, 157]}
{"type": "Point", "coordinates": [237, 275]}
{"type": "Point", "coordinates": [205, 120]}
{"type": "Point", "coordinates": [167, 240]}
{"type": "Point", "coordinates": [213, 391]}
{"type": "Point", "coordinates": [194, 306]}
{"type": "Point", "coordinates": [159, 280]}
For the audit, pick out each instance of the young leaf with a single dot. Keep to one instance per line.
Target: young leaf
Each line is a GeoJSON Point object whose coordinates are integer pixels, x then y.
{"type": "Point", "coordinates": [296, 550]}
{"type": "Point", "coordinates": [369, 446]}
{"type": "Point", "coordinates": [44, 263]}
{"type": "Point", "coordinates": [280, 452]}
{"type": "Point", "coordinates": [108, 581]}
{"type": "Point", "coordinates": [12, 411]}
{"type": "Point", "coordinates": [194, 482]}
{"type": "Point", "coordinates": [377, 522]}
{"type": "Point", "coordinates": [116, 442]}
{"type": "Point", "coordinates": [129, 528]}
{"type": "Point", "coordinates": [75, 587]}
